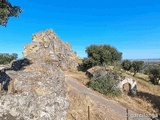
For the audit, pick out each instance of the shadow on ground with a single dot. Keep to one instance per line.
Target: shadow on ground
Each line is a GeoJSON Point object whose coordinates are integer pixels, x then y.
{"type": "Point", "coordinates": [154, 99]}
{"type": "Point", "coordinates": [16, 65]}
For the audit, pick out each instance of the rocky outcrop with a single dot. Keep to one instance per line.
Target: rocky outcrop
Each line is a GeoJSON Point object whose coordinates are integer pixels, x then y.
{"type": "Point", "coordinates": [37, 88]}
{"type": "Point", "coordinates": [39, 94]}
{"type": "Point", "coordinates": [48, 46]}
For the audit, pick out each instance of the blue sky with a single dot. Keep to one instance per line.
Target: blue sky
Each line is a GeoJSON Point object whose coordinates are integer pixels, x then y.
{"type": "Point", "coordinates": [133, 27]}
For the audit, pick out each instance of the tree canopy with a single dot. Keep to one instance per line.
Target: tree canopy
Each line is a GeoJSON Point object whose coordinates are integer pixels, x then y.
{"type": "Point", "coordinates": [6, 58]}
{"type": "Point", "coordinates": [8, 10]}
{"type": "Point", "coordinates": [137, 66]}
{"type": "Point", "coordinates": [101, 54]}
{"type": "Point", "coordinates": [154, 74]}
{"type": "Point", "coordinates": [126, 65]}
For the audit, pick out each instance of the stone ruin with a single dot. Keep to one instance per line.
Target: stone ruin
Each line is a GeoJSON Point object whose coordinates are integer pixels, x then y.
{"type": "Point", "coordinates": [131, 84]}
{"type": "Point", "coordinates": [102, 71]}
{"type": "Point", "coordinates": [97, 71]}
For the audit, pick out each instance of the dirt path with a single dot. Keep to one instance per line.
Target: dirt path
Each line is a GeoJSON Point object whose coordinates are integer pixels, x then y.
{"type": "Point", "coordinates": [108, 103]}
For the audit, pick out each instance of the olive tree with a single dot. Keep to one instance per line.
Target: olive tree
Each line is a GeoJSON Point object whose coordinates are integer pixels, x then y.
{"type": "Point", "coordinates": [154, 74]}
{"type": "Point", "coordinates": [100, 55]}
{"type": "Point", "coordinates": [126, 65]}
{"type": "Point", "coordinates": [137, 66]}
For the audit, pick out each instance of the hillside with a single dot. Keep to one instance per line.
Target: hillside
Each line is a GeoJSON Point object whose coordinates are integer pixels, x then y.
{"type": "Point", "coordinates": [36, 86]}
{"type": "Point", "coordinates": [146, 101]}
{"type": "Point", "coordinates": [46, 85]}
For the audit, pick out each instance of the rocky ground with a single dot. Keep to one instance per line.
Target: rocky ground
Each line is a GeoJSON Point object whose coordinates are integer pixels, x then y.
{"type": "Point", "coordinates": [38, 90]}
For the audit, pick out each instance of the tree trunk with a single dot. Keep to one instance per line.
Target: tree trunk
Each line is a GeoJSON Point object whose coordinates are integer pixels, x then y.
{"type": "Point", "coordinates": [134, 74]}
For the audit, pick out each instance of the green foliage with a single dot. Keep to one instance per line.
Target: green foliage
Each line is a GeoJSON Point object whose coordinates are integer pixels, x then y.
{"type": "Point", "coordinates": [105, 84]}
{"type": "Point", "coordinates": [154, 74]}
{"type": "Point", "coordinates": [126, 65]}
{"type": "Point", "coordinates": [6, 58]}
{"type": "Point", "coordinates": [134, 66]}
{"type": "Point", "coordinates": [137, 66]}
{"type": "Point", "coordinates": [100, 55]}
{"type": "Point", "coordinates": [7, 10]}
{"type": "Point", "coordinates": [87, 63]}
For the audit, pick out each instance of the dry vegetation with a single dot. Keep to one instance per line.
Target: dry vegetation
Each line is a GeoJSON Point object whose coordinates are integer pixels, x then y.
{"type": "Point", "coordinates": [78, 109]}
{"type": "Point", "coordinates": [146, 101]}
{"type": "Point", "coordinates": [148, 96]}
{"type": "Point", "coordinates": [78, 75]}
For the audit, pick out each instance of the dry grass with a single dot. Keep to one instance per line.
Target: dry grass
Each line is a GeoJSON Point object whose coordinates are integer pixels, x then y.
{"type": "Point", "coordinates": [147, 100]}
{"type": "Point", "coordinates": [78, 109]}
{"type": "Point", "coordinates": [138, 75]}
{"type": "Point", "coordinates": [78, 75]}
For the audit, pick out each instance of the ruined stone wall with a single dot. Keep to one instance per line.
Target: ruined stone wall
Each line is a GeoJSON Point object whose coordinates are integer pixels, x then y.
{"type": "Point", "coordinates": [53, 49]}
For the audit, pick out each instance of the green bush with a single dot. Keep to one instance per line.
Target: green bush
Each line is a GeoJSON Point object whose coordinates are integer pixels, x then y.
{"type": "Point", "coordinates": [105, 84]}
{"type": "Point", "coordinates": [126, 65]}
{"type": "Point", "coordinates": [137, 66]}
{"type": "Point", "coordinates": [6, 58]}
{"type": "Point", "coordinates": [100, 55]}
{"type": "Point", "coordinates": [154, 74]}
{"type": "Point", "coordinates": [134, 66]}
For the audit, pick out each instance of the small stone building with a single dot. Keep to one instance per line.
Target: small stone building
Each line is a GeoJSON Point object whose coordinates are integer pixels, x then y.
{"type": "Point", "coordinates": [128, 85]}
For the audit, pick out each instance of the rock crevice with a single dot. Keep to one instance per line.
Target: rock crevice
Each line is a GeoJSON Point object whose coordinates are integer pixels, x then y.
{"type": "Point", "coordinates": [39, 88]}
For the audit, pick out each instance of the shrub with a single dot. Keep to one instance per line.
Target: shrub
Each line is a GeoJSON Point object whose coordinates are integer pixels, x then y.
{"type": "Point", "coordinates": [126, 65]}
{"type": "Point", "coordinates": [154, 75]}
{"type": "Point", "coordinates": [6, 58]}
{"type": "Point", "coordinates": [105, 84]}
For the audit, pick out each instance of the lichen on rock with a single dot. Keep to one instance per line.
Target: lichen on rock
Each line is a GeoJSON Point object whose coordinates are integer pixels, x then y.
{"type": "Point", "coordinates": [39, 94]}
{"type": "Point", "coordinates": [53, 49]}
{"type": "Point", "coordinates": [39, 91]}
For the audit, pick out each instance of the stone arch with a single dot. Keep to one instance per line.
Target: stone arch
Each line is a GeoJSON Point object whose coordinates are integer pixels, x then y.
{"type": "Point", "coordinates": [130, 82]}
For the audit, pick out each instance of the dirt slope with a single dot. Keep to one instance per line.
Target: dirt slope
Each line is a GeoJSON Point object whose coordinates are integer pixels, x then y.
{"type": "Point", "coordinates": [84, 97]}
